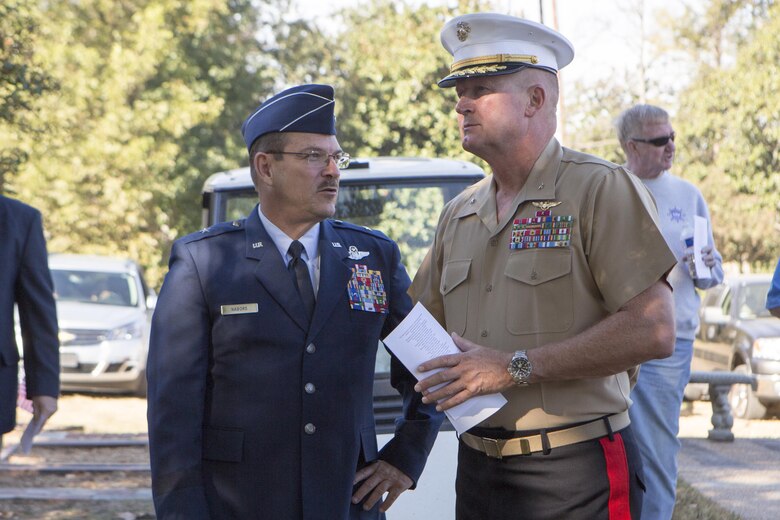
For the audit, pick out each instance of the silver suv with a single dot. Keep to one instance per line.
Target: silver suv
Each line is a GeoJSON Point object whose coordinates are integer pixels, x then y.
{"type": "Point", "coordinates": [104, 312]}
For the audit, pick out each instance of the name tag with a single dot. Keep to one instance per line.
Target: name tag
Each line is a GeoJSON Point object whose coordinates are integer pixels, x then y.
{"type": "Point", "coordinates": [241, 308]}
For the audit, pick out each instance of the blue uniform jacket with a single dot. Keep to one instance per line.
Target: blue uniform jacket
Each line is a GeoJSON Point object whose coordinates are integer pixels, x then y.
{"type": "Point", "coordinates": [253, 414]}
{"type": "Point", "coordinates": [25, 279]}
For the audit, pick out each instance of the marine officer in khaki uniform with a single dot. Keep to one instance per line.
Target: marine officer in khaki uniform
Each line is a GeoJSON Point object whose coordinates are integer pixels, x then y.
{"type": "Point", "coordinates": [551, 276]}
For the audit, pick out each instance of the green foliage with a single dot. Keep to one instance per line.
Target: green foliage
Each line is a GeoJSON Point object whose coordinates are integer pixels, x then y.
{"type": "Point", "coordinates": [151, 98]}
{"type": "Point", "coordinates": [113, 112]}
{"type": "Point", "coordinates": [385, 74]}
{"type": "Point", "coordinates": [22, 80]}
{"type": "Point", "coordinates": [730, 137]}
{"type": "Point", "coordinates": [591, 128]}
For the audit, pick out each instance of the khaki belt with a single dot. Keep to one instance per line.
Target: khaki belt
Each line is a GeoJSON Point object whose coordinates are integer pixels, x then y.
{"type": "Point", "coordinates": [499, 448]}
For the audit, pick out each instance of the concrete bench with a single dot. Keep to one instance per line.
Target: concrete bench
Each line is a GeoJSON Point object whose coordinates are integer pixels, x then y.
{"type": "Point", "coordinates": [719, 386]}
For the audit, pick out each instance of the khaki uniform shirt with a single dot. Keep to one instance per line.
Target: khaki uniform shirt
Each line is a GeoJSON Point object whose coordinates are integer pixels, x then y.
{"type": "Point", "coordinates": [606, 248]}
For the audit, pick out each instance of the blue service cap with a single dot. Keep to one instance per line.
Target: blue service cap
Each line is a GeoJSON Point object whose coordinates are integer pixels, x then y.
{"type": "Point", "coordinates": [305, 108]}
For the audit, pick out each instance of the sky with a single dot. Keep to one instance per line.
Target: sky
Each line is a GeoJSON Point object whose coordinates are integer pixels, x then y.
{"type": "Point", "coordinates": [603, 32]}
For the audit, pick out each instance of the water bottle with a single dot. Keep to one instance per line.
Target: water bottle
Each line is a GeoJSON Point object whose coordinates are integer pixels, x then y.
{"type": "Point", "coordinates": [686, 236]}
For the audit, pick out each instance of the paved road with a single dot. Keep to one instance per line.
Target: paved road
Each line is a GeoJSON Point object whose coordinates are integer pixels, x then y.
{"type": "Point", "coordinates": [743, 476]}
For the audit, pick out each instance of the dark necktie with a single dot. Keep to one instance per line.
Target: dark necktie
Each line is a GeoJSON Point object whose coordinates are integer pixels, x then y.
{"type": "Point", "coordinates": [300, 272]}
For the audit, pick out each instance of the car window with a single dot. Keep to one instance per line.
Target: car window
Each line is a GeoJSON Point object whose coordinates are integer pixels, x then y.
{"type": "Point", "coordinates": [406, 213]}
{"type": "Point", "coordinates": [238, 204]}
{"type": "Point", "coordinates": [712, 296]}
{"type": "Point", "coordinates": [752, 301]}
{"type": "Point", "coordinates": [726, 305]}
{"type": "Point", "coordinates": [95, 287]}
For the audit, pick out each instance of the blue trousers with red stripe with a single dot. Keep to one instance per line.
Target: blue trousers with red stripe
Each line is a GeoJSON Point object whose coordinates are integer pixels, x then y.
{"type": "Point", "coordinates": [600, 479]}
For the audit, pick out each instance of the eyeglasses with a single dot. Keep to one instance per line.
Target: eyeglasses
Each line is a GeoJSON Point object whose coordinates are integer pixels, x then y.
{"type": "Point", "coordinates": [319, 157]}
{"type": "Point", "coordinates": [656, 141]}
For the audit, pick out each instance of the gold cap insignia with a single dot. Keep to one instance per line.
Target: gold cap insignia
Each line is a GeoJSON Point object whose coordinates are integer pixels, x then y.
{"type": "Point", "coordinates": [546, 204]}
{"type": "Point", "coordinates": [463, 31]}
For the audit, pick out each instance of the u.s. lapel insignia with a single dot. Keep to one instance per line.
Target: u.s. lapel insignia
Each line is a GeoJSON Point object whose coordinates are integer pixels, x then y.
{"type": "Point", "coordinates": [336, 244]}
{"type": "Point", "coordinates": [546, 204]}
{"type": "Point", "coordinates": [354, 254]}
{"type": "Point", "coordinates": [255, 245]}
{"type": "Point", "coordinates": [366, 290]}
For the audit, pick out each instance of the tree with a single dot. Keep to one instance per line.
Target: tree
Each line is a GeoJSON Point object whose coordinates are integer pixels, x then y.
{"type": "Point", "coordinates": [22, 80]}
{"type": "Point", "coordinates": [152, 95]}
{"type": "Point", "coordinates": [385, 75]}
{"type": "Point", "coordinates": [731, 140]}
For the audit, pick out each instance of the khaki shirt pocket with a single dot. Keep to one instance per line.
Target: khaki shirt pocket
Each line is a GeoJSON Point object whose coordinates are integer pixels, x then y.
{"type": "Point", "coordinates": [455, 292]}
{"type": "Point", "coordinates": [539, 291]}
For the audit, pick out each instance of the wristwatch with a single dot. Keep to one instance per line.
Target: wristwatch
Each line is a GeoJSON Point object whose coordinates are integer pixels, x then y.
{"type": "Point", "coordinates": [520, 368]}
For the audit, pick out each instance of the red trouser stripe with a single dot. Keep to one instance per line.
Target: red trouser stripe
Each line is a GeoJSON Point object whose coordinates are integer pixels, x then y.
{"type": "Point", "coordinates": [617, 473]}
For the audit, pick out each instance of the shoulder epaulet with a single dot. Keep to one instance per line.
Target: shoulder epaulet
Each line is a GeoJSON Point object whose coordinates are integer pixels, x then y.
{"type": "Point", "coordinates": [340, 224]}
{"type": "Point", "coordinates": [577, 157]}
{"type": "Point", "coordinates": [215, 230]}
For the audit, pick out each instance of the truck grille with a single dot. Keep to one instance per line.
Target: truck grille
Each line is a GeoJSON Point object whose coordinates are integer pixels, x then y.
{"type": "Point", "coordinates": [81, 337]}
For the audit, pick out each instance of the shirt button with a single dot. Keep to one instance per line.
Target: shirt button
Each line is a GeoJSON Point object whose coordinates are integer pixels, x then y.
{"type": "Point", "coordinates": [309, 428]}
{"type": "Point", "coordinates": [484, 334]}
{"type": "Point", "coordinates": [310, 388]}
{"type": "Point", "coordinates": [310, 348]}
{"type": "Point", "coordinates": [493, 242]}
{"type": "Point", "coordinates": [489, 288]}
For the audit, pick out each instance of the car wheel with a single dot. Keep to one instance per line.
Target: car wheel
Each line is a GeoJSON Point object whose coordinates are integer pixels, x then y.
{"type": "Point", "coordinates": [743, 401]}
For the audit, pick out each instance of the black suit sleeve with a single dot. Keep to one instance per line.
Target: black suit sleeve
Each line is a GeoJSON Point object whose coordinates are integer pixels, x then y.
{"type": "Point", "coordinates": [416, 431]}
{"type": "Point", "coordinates": [177, 369]}
{"type": "Point", "coordinates": [34, 295]}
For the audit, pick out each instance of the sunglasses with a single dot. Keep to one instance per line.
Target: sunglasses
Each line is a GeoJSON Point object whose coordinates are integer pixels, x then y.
{"type": "Point", "coordinates": [656, 141]}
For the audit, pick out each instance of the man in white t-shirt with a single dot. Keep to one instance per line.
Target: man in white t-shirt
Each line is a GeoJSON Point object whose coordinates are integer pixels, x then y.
{"type": "Point", "coordinates": [647, 138]}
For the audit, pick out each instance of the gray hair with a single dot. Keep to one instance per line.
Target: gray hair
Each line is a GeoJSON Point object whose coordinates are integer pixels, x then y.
{"type": "Point", "coordinates": [270, 142]}
{"type": "Point", "coordinates": [630, 122]}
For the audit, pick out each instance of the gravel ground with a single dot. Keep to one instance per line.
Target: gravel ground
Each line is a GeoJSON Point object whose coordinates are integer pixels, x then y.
{"type": "Point", "coordinates": [77, 414]}
{"type": "Point", "coordinates": [109, 415]}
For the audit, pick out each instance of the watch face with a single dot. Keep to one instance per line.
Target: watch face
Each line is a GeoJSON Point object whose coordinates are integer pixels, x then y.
{"type": "Point", "coordinates": [520, 368]}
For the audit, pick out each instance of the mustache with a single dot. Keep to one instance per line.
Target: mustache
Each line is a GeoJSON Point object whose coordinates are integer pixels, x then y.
{"type": "Point", "coordinates": [328, 185]}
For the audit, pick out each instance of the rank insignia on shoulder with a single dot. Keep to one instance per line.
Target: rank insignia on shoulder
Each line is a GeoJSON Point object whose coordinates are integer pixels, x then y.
{"type": "Point", "coordinates": [204, 230]}
{"type": "Point", "coordinates": [354, 254]}
{"type": "Point", "coordinates": [366, 290]}
{"type": "Point", "coordinates": [543, 230]}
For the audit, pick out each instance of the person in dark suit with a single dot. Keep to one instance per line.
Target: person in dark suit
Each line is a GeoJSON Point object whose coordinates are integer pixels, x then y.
{"type": "Point", "coordinates": [263, 345]}
{"type": "Point", "coordinates": [25, 280]}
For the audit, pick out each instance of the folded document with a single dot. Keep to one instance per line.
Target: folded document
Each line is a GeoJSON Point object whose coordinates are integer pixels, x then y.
{"type": "Point", "coordinates": [418, 338]}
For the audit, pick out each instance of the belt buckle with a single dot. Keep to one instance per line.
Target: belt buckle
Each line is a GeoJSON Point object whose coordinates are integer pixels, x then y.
{"type": "Point", "coordinates": [492, 447]}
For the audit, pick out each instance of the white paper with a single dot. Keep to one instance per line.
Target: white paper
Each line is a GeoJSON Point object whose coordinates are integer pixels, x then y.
{"type": "Point", "coordinates": [700, 233]}
{"type": "Point", "coordinates": [33, 428]}
{"type": "Point", "coordinates": [418, 338]}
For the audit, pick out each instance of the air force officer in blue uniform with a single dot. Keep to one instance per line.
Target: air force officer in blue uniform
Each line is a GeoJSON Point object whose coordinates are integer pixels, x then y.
{"type": "Point", "coordinates": [257, 408]}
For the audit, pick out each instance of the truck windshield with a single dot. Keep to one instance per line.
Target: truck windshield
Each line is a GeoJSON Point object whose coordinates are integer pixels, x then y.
{"type": "Point", "coordinates": [94, 287]}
